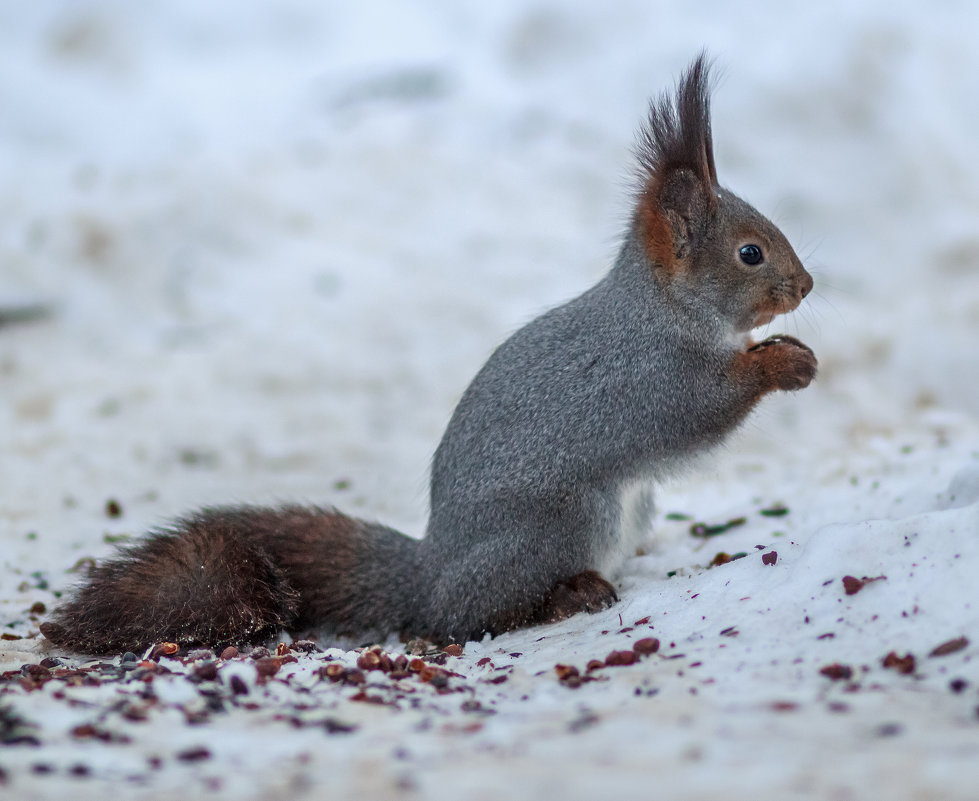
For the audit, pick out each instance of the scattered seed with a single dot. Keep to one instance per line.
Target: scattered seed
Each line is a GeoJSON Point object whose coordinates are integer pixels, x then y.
{"type": "Point", "coordinates": [113, 508]}
{"type": "Point", "coordinates": [229, 653]}
{"type": "Point", "coordinates": [164, 649]}
{"type": "Point", "coordinates": [565, 671]}
{"type": "Point", "coordinates": [837, 672]}
{"type": "Point", "coordinates": [194, 754]}
{"type": "Point", "coordinates": [268, 666]}
{"type": "Point", "coordinates": [769, 558]}
{"type": "Point", "coordinates": [369, 660]}
{"type": "Point", "coordinates": [950, 647]}
{"type": "Point", "coordinates": [646, 646]}
{"type": "Point", "coordinates": [208, 671]}
{"type": "Point", "coordinates": [621, 658]}
{"type": "Point", "coordinates": [454, 649]}
{"type": "Point", "coordinates": [334, 671]}
{"type": "Point", "coordinates": [902, 664]}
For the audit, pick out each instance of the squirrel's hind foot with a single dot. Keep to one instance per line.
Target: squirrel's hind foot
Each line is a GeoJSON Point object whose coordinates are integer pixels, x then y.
{"type": "Point", "coordinates": [585, 592]}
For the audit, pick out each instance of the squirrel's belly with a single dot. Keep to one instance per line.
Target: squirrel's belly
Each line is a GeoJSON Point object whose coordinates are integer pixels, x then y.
{"type": "Point", "coordinates": [634, 519]}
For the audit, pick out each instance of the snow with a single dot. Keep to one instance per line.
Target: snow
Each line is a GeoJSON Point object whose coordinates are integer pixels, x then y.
{"type": "Point", "coordinates": [277, 240]}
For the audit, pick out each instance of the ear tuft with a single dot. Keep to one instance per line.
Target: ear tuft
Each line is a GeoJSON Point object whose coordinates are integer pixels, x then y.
{"type": "Point", "coordinates": [677, 175]}
{"type": "Point", "coordinates": [677, 133]}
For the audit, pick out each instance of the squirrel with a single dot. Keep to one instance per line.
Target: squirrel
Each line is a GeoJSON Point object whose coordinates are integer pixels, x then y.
{"type": "Point", "coordinates": [540, 486]}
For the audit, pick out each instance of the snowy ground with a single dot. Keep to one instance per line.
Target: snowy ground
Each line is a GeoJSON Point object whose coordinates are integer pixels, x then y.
{"type": "Point", "coordinates": [276, 241]}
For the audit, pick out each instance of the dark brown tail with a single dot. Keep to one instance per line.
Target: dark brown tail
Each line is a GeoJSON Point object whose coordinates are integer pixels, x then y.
{"type": "Point", "coordinates": [236, 575]}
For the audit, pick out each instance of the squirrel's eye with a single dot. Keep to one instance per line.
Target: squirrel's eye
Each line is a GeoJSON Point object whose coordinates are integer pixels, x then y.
{"type": "Point", "coordinates": [751, 254]}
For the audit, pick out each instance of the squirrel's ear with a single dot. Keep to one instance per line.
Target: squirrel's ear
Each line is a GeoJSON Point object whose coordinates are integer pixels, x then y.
{"type": "Point", "coordinates": [672, 214]}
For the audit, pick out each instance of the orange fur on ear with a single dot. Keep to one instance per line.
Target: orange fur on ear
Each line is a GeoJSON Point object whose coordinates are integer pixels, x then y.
{"type": "Point", "coordinates": [656, 235]}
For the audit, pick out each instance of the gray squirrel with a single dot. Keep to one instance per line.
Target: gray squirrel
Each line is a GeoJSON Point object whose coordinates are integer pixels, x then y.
{"type": "Point", "coordinates": [540, 485]}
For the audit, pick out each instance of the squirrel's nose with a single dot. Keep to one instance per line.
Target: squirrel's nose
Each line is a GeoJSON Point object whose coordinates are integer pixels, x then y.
{"type": "Point", "coordinates": [806, 285]}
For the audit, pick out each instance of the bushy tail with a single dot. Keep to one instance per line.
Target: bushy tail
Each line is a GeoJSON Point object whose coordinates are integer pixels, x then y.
{"type": "Point", "coordinates": [236, 575]}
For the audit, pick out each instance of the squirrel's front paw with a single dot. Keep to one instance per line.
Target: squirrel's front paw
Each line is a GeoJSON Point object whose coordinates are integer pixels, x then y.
{"type": "Point", "coordinates": [584, 592]}
{"type": "Point", "coordinates": [789, 363]}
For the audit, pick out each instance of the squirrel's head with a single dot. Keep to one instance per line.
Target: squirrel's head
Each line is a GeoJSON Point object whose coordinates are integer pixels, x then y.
{"type": "Point", "coordinates": [703, 243]}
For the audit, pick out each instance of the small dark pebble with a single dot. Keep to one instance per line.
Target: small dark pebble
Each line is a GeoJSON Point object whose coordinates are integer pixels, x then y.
{"type": "Point", "coordinates": [957, 685]}
{"type": "Point", "coordinates": [259, 652]}
{"type": "Point", "coordinates": [79, 770]}
{"type": "Point", "coordinates": [238, 686]}
{"type": "Point", "coordinates": [42, 768]}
